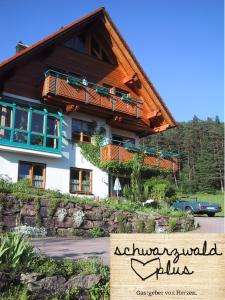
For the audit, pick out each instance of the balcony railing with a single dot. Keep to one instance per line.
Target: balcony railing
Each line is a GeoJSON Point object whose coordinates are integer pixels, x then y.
{"type": "Point", "coordinates": [74, 88]}
{"type": "Point", "coordinates": [112, 150]}
{"type": "Point", "coordinates": [30, 128]}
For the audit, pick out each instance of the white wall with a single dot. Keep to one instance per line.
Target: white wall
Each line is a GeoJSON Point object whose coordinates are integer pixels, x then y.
{"type": "Point", "coordinates": [58, 169]}
{"type": "Point", "coordinates": [126, 134]}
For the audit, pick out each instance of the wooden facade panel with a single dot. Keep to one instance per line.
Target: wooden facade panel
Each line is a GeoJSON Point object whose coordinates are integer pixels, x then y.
{"type": "Point", "coordinates": [119, 153]}
{"type": "Point", "coordinates": [28, 79]}
{"type": "Point", "coordinates": [59, 86]}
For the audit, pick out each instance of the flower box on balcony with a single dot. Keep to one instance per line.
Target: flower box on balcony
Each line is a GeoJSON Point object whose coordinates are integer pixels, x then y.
{"type": "Point", "coordinates": [102, 90]}
{"type": "Point", "coordinates": [131, 148]}
{"type": "Point", "coordinates": [150, 152]}
{"type": "Point", "coordinates": [126, 99]}
{"type": "Point", "coordinates": [75, 81]}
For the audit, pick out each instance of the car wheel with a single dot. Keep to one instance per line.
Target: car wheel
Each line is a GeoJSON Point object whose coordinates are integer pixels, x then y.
{"type": "Point", "coordinates": [211, 214]}
{"type": "Point", "coordinates": [189, 210]}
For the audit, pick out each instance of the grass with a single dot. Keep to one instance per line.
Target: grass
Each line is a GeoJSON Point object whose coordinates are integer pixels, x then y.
{"type": "Point", "coordinates": [212, 198]}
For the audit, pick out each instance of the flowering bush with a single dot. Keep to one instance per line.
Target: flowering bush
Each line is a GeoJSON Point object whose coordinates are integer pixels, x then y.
{"type": "Point", "coordinates": [78, 218]}
{"type": "Point", "coordinates": [61, 213]}
{"type": "Point", "coordinates": [26, 230]}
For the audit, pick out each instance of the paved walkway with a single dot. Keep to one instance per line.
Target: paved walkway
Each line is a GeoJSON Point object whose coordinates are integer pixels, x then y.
{"type": "Point", "coordinates": [99, 247]}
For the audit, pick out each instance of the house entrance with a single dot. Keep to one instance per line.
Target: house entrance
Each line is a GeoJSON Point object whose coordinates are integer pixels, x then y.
{"type": "Point", "coordinates": [124, 180]}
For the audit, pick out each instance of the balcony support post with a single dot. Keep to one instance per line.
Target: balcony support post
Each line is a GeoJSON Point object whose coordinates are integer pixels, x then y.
{"type": "Point", "coordinates": [86, 94]}
{"type": "Point", "coordinates": [113, 103]}
{"type": "Point", "coordinates": [56, 84]}
{"type": "Point", "coordinates": [45, 127]}
{"type": "Point", "coordinates": [137, 110]}
{"type": "Point", "coordinates": [13, 122]}
{"type": "Point", "coordinates": [120, 158]}
{"type": "Point", "coordinates": [29, 124]}
{"type": "Point", "coordinates": [60, 131]}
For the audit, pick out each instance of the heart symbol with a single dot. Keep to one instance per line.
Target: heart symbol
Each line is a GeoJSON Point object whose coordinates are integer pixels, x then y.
{"type": "Point", "coordinates": [147, 269]}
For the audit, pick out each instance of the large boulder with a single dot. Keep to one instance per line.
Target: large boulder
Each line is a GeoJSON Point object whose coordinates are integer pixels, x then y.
{"type": "Point", "coordinates": [4, 282]}
{"type": "Point", "coordinates": [83, 281]}
{"type": "Point", "coordinates": [26, 278]}
{"type": "Point", "coordinates": [40, 289]}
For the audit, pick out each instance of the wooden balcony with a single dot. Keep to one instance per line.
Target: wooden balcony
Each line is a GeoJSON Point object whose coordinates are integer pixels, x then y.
{"type": "Point", "coordinates": [118, 153]}
{"type": "Point", "coordinates": [72, 88]}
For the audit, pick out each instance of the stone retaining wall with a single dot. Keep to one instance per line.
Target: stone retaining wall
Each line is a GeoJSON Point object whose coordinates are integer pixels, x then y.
{"type": "Point", "coordinates": [70, 219]}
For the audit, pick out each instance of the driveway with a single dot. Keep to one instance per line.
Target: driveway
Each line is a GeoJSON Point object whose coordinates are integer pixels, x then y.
{"type": "Point", "coordinates": [74, 248]}
{"type": "Point", "coordinates": [210, 225]}
{"type": "Point", "coordinates": [99, 247]}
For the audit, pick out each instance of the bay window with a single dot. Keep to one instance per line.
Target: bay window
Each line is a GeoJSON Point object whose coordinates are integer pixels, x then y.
{"type": "Point", "coordinates": [30, 128]}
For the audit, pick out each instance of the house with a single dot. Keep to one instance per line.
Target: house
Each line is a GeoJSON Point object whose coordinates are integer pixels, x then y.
{"type": "Point", "coordinates": [54, 92]}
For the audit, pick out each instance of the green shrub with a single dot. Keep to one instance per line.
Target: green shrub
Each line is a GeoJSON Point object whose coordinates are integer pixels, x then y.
{"type": "Point", "coordinates": [172, 224]}
{"type": "Point", "coordinates": [159, 189]}
{"type": "Point", "coordinates": [140, 226]}
{"type": "Point", "coordinates": [171, 212]}
{"type": "Point", "coordinates": [15, 252]}
{"type": "Point", "coordinates": [122, 223]}
{"type": "Point", "coordinates": [88, 266]}
{"type": "Point", "coordinates": [127, 192]}
{"type": "Point", "coordinates": [68, 267]}
{"type": "Point", "coordinates": [150, 226]}
{"type": "Point", "coordinates": [5, 184]}
{"type": "Point", "coordinates": [100, 292]}
{"type": "Point", "coordinates": [96, 232]}
{"type": "Point", "coordinates": [47, 266]}
{"type": "Point", "coordinates": [128, 227]}
{"type": "Point", "coordinates": [136, 182]}
{"type": "Point", "coordinates": [16, 293]}
{"type": "Point", "coordinates": [22, 185]}
{"type": "Point", "coordinates": [121, 227]}
{"type": "Point", "coordinates": [118, 204]}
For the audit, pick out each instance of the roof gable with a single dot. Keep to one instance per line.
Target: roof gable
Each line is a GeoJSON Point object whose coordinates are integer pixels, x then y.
{"type": "Point", "coordinates": [135, 77]}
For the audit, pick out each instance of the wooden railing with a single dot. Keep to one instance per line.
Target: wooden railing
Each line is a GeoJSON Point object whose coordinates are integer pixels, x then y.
{"type": "Point", "coordinates": [63, 85]}
{"type": "Point", "coordinates": [118, 153]}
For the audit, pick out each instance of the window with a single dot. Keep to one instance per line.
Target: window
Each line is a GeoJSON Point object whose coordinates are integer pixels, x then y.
{"type": "Point", "coordinates": [97, 51]}
{"type": "Point", "coordinates": [81, 131]}
{"type": "Point", "coordinates": [80, 181]}
{"type": "Point", "coordinates": [5, 122]}
{"type": "Point", "coordinates": [95, 48]}
{"type": "Point", "coordinates": [52, 132]}
{"type": "Point", "coordinates": [34, 172]}
{"type": "Point", "coordinates": [37, 129]}
{"type": "Point", "coordinates": [77, 43]}
{"type": "Point", "coordinates": [88, 44]}
{"type": "Point", "coordinates": [122, 140]}
{"type": "Point", "coordinates": [32, 128]}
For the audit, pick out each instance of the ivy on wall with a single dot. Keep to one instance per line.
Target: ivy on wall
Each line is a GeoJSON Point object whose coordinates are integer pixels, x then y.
{"type": "Point", "coordinates": [92, 153]}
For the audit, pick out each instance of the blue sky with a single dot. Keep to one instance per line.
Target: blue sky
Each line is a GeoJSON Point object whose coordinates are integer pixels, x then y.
{"type": "Point", "coordinates": [179, 43]}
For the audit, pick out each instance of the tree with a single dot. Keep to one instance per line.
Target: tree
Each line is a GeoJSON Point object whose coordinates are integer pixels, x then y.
{"type": "Point", "coordinates": [201, 148]}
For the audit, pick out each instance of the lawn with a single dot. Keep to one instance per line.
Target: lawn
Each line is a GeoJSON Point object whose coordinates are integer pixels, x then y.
{"type": "Point", "coordinates": [213, 198]}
